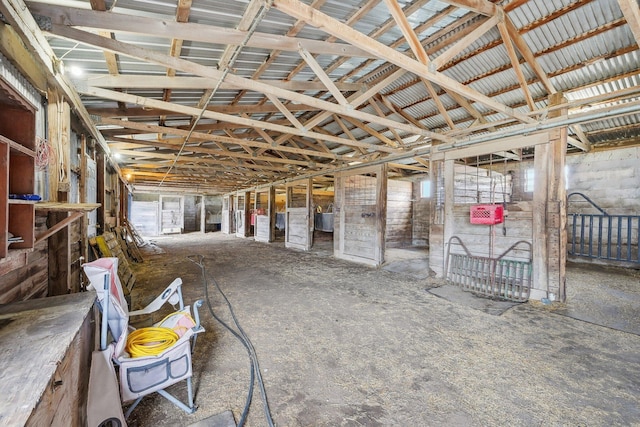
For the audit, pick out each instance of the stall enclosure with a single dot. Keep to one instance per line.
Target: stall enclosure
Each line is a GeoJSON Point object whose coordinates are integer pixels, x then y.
{"type": "Point", "coordinates": [242, 201]}
{"type": "Point", "coordinates": [171, 214]}
{"type": "Point", "coordinates": [360, 217]}
{"type": "Point", "coordinates": [264, 215]}
{"type": "Point", "coordinates": [227, 221]}
{"type": "Point", "coordinates": [298, 223]}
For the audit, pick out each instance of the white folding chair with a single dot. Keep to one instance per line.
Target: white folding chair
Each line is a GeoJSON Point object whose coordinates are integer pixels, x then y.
{"type": "Point", "coordinates": [140, 376]}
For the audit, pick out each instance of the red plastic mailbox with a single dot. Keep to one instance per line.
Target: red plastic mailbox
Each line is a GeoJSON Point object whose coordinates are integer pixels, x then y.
{"type": "Point", "coordinates": [486, 214]}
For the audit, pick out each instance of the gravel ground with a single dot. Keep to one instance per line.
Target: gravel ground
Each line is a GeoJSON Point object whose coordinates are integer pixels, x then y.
{"type": "Point", "coordinates": [341, 344]}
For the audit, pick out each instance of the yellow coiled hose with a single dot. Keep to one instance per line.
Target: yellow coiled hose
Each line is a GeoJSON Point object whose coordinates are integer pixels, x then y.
{"type": "Point", "coordinates": [150, 341]}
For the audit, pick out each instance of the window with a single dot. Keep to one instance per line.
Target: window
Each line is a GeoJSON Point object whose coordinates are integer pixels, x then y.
{"type": "Point", "coordinates": [528, 180]}
{"type": "Point", "coordinates": [425, 189]}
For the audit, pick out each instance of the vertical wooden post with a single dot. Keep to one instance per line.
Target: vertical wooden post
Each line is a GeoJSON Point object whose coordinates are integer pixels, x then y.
{"type": "Point", "coordinates": [247, 213]}
{"type": "Point", "coordinates": [84, 248]}
{"type": "Point", "coordinates": [557, 214]}
{"type": "Point", "coordinates": [272, 212]}
{"type": "Point", "coordinates": [101, 191]}
{"type": "Point", "coordinates": [549, 214]}
{"type": "Point", "coordinates": [381, 214]}
{"type": "Point", "coordinates": [310, 217]}
{"type": "Point", "coordinates": [59, 243]}
{"type": "Point", "coordinates": [449, 202]}
{"type": "Point", "coordinates": [203, 215]}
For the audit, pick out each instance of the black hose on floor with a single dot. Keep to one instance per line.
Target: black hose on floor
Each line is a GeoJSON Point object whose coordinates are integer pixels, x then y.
{"type": "Point", "coordinates": [242, 337]}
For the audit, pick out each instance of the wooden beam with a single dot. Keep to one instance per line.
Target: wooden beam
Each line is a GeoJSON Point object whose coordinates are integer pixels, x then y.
{"type": "Point", "coordinates": [133, 23]}
{"type": "Point", "coordinates": [59, 226]}
{"type": "Point", "coordinates": [515, 63]}
{"type": "Point", "coordinates": [155, 82]}
{"type": "Point", "coordinates": [13, 47]}
{"type": "Point", "coordinates": [582, 142]}
{"type": "Point", "coordinates": [488, 147]}
{"type": "Point", "coordinates": [239, 82]}
{"type": "Point", "coordinates": [407, 30]}
{"type": "Point", "coordinates": [120, 147]}
{"type": "Point", "coordinates": [119, 96]}
{"type": "Point", "coordinates": [299, 10]}
{"type": "Point", "coordinates": [285, 112]}
{"type": "Point", "coordinates": [527, 54]}
{"type": "Point", "coordinates": [324, 78]}
{"type": "Point", "coordinates": [441, 108]}
{"type": "Point", "coordinates": [482, 7]}
{"type": "Point", "coordinates": [464, 42]}
{"type": "Point", "coordinates": [372, 132]}
{"type": "Point", "coordinates": [631, 13]}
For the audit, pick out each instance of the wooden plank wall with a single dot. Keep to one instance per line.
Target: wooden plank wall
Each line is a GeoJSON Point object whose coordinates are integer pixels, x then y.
{"type": "Point", "coordinates": [191, 213]}
{"type": "Point", "coordinates": [30, 280]}
{"type": "Point", "coordinates": [477, 237]}
{"type": "Point", "coordinates": [399, 214]}
{"type": "Point", "coordinates": [421, 219]}
{"type": "Point", "coordinates": [297, 226]}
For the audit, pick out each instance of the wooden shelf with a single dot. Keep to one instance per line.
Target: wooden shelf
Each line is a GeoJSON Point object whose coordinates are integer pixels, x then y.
{"type": "Point", "coordinates": [16, 147]}
{"type": "Point", "coordinates": [66, 207]}
{"type": "Point", "coordinates": [22, 202]}
{"type": "Point", "coordinates": [17, 169]}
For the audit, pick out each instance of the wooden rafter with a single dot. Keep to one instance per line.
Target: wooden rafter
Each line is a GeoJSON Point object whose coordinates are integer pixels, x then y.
{"type": "Point", "coordinates": [515, 63]}
{"type": "Point", "coordinates": [128, 125]}
{"type": "Point", "coordinates": [239, 82]}
{"type": "Point", "coordinates": [76, 17]}
{"type": "Point", "coordinates": [632, 15]}
{"type": "Point", "coordinates": [299, 10]}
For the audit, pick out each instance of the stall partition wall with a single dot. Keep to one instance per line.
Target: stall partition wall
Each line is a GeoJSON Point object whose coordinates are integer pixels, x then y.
{"type": "Point", "coordinates": [227, 223]}
{"type": "Point", "coordinates": [242, 217]}
{"type": "Point", "coordinates": [360, 215]}
{"type": "Point", "coordinates": [171, 214]}
{"type": "Point", "coordinates": [299, 224]}
{"type": "Point", "coordinates": [264, 215]}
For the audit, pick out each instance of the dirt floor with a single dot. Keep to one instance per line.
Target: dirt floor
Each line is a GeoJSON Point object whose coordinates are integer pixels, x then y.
{"type": "Point", "coordinates": [340, 344]}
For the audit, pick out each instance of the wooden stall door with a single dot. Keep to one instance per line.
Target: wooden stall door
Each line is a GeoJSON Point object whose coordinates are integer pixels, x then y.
{"type": "Point", "coordinates": [241, 212]}
{"type": "Point", "coordinates": [171, 214]}
{"type": "Point", "coordinates": [361, 213]}
{"type": "Point", "coordinates": [299, 227]}
{"type": "Point", "coordinates": [226, 221]}
{"type": "Point", "coordinates": [264, 220]}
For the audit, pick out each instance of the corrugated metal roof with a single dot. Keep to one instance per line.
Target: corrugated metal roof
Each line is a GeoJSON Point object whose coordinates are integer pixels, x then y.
{"type": "Point", "coordinates": [586, 49]}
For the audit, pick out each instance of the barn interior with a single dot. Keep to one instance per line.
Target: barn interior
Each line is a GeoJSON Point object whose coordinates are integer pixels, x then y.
{"type": "Point", "coordinates": [421, 212]}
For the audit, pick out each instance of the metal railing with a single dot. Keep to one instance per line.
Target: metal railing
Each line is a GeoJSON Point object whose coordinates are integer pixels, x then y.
{"type": "Point", "coordinates": [499, 277]}
{"type": "Point", "coordinates": [603, 236]}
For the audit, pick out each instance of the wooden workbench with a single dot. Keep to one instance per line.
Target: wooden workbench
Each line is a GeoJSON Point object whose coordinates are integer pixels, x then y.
{"type": "Point", "coordinates": [45, 353]}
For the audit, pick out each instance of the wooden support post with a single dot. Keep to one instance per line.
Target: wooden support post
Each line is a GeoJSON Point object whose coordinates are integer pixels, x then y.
{"type": "Point", "coordinates": [381, 214]}
{"type": "Point", "coordinates": [272, 213]}
{"type": "Point", "coordinates": [203, 215]}
{"type": "Point", "coordinates": [84, 232]}
{"type": "Point", "coordinates": [100, 190]}
{"type": "Point", "coordinates": [60, 282]}
{"type": "Point", "coordinates": [247, 213]}
{"type": "Point", "coordinates": [549, 214]}
{"type": "Point", "coordinates": [449, 202]}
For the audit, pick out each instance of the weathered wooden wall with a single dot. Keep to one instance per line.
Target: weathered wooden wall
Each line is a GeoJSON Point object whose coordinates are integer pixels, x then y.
{"type": "Point", "coordinates": [421, 217]}
{"type": "Point", "coordinates": [484, 240]}
{"type": "Point", "coordinates": [144, 217]}
{"type": "Point", "coordinates": [399, 225]}
{"type": "Point", "coordinates": [20, 281]}
{"type": "Point", "coordinates": [191, 213]}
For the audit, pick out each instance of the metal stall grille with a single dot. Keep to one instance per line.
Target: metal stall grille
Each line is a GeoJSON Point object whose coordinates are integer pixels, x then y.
{"type": "Point", "coordinates": [604, 236]}
{"type": "Point", "coordinates": [499, 277]}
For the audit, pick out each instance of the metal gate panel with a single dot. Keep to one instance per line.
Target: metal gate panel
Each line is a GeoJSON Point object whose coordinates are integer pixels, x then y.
{"type": "Point", "coordinates": [492, 277]}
